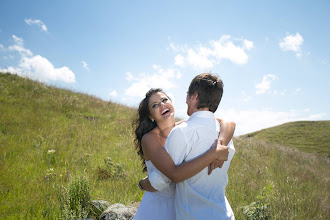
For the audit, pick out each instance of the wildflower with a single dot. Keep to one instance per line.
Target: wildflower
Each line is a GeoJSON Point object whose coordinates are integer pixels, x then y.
{"type": "Point", "coordinates": [51, 151]}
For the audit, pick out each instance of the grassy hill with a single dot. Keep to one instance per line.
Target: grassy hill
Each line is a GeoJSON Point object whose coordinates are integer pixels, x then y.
{"type": "Point", "coordinates": [49, 136]}
{"type": "Point", "coordinates": [307, 136]}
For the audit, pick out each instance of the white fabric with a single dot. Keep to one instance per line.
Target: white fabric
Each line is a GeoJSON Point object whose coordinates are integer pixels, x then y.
{"type": "Point", "coordinates": [157, 205]}
{"type": "Point", "coordinates": [202, 196]}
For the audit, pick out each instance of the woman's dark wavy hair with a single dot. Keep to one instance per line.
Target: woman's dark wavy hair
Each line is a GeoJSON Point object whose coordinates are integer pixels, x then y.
{"type": "Point", "coordinates": [143, 124]}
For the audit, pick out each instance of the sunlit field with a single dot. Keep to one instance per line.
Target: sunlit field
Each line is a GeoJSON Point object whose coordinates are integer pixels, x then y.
{"type": "Point", "coordinates": [48, 136]}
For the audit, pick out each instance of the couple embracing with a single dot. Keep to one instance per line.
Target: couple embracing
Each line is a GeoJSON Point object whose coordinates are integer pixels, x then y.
{"type": "Point", "coordinates": [187, 162]}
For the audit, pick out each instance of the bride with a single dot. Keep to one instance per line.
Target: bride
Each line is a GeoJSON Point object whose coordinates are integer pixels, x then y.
{"type": "Point", "coordinates": [154, 123]}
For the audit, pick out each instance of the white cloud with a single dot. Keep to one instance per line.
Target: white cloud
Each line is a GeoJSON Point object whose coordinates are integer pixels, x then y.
{"type": "Point", "coordinates": [224, 48]}
{"type": "Point", "coordinates": [113, 93]}
{"type": "Point", "coordinates": [36, 22]}
{"type": "Point", "coordinates": [292, 43]}
{"type": "Point", "coordinates": [264, 85]}
{"type": "Point", "coordinates": [38, 67]}
{"type": "Point", "coordinates": [199, 59]}
{"type": "Point", "coordinates": [129, 76]}
{"type": "Point", "coordinates": [248, 44]}
{"type": "Point", "coordinates": [1, 46]}
{"type": "Point", "coordinates": [19, 47]}
{"type": "Point", "coordinates": [173, 47]}
{"type": "Point", "coordinates": [11, 69]}
{"type": "Point", "coordinates": [251, 120]}
{"type": "Point", "coordinates": [85, 65]}
{"type": "Point", "coordinates": [163, 78]}
{"type": "Point", "coordinates": [205, 57]}
{"type": "Point", "coordinates": [179, 60]}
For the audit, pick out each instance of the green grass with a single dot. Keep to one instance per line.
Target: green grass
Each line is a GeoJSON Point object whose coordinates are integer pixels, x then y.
{"type": "Point", "coordinates": [307, 136]}
{"type": "Point", "coordinates": [84, 130]}
{"type": "Point", "coordinates": [300, 180]}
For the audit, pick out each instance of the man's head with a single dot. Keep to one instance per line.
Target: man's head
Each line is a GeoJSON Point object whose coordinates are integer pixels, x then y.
{"type": "Point", "coordinates": [204, 93]}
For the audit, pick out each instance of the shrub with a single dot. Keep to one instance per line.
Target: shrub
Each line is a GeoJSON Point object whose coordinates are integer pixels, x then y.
{"type": "Point", "coordinates": [74, 200]}
{"type": "Point", "coordinates": [111, 169]}
{"type": "Point", "coordinates": [261, 208]}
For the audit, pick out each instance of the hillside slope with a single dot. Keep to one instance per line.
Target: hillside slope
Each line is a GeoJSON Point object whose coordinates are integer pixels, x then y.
{"type": "Point", "coordinates": [48, 135]}
{"type": "Point", "coordinates": [307, 136]}
{"type": "Point", "coordinates": [51, 132]}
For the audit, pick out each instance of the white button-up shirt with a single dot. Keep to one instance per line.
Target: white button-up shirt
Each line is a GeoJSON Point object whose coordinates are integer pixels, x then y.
{"type": "Point", "coordinates": [201, 196]}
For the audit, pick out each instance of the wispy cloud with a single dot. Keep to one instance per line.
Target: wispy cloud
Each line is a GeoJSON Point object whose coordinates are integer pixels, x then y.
{"type": "Point", "coordinates": [161, 78]}
{"type": "Point", "coordinates": [292, 43]}
{"type": "Point", "coordinates": [113, 93]}
{"type": "Point", "coordinates": [19, 47]}
{"type": "Point", "coordinates": [36, 22]}
{"type": "Point", "coordinates": [205, 57]}
{"type": "Point", "coordinates": [37, 67]}
{"type": "Point", "coordinates": [85, 65]}
{"type": "Point", "coordinates": [265, 84]}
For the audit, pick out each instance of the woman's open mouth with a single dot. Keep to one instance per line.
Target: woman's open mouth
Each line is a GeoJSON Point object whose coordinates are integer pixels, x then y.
{"type": "Point", "coordinates": [165, 111]}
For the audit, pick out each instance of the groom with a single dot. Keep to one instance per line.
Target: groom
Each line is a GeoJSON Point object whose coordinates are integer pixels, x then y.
{"type": "Point", "coordinates": [201, 196]}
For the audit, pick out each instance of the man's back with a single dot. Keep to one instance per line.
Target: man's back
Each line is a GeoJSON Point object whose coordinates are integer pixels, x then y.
{"type": "Point", "coordinates": [201, 196]}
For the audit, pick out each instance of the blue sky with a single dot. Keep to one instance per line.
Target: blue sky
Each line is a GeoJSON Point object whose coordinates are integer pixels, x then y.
{"type": "Point", "coordinates": [273, 56]}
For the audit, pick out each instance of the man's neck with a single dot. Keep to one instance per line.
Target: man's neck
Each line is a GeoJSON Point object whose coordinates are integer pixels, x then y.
{"type": "Point", "coordinates": [201, 109]}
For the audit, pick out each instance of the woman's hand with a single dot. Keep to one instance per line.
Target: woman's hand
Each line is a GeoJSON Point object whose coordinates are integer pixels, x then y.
{"type": "Point", "coordinates": [222, 156]}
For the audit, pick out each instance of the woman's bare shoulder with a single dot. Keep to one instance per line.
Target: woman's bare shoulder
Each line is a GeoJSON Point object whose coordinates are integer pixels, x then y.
{"type": "Point", "coordinates": [150, 142]}
{"type": "Point", "coordinates": [150, 138]}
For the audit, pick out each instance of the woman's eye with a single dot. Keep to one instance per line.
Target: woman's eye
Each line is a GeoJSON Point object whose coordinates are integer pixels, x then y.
{"type": "Point", "coordinates": [154, 105]}
{"type": "Point", "coordinates": [164, 100]}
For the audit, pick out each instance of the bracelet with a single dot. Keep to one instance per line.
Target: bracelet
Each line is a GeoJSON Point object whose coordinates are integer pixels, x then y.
{"type": "Point", "coordinates": [140, 186]}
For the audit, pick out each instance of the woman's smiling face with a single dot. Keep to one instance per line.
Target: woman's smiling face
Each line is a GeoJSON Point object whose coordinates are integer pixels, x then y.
{"type": "Point", "coordinates": [160, 106]}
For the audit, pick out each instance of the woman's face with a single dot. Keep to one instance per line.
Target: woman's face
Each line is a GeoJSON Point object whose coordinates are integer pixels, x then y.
{"type": "Point", "coordinates": [160, 107]}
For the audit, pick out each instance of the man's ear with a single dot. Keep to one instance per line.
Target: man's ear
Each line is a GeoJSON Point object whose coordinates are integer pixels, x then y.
{"type": "Point", "coordinates": [195, 96]}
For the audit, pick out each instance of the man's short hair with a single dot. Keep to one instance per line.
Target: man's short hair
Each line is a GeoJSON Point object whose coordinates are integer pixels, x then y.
{"type": "Point", "coordinates": [209, 88]}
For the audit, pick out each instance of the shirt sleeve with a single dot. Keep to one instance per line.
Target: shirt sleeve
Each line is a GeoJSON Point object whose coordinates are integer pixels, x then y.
{"type": "Point", "coordinates": [176, 145]}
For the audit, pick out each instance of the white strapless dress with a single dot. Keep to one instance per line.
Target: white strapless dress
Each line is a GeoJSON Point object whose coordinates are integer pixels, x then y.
{"type": "Point", "coordinates": [157, 205]}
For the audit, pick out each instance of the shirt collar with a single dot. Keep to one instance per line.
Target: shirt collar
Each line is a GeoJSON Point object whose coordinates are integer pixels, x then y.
{"type": "Point", "coordinates": [202, 114]}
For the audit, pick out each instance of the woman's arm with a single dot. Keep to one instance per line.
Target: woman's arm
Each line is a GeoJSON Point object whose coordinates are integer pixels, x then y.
{"type": "Point", "coordinates": [177, 173]}
{"type": "Point", "coordinates": [226, 134]}
{"type": "Point", "coordinates": [227, 129]}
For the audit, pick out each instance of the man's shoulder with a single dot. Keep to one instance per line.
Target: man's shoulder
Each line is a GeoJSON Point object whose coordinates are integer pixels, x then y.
{"type": "Point", "coordinates": [182, 127]}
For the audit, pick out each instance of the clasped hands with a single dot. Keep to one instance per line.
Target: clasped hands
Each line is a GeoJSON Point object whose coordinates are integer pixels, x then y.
{"type": "Point", "coordinates": [221, 155]}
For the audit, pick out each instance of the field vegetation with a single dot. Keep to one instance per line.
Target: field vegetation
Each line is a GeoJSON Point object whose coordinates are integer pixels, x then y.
{"type": "Point", "coordinates": [59, 146]}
